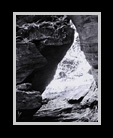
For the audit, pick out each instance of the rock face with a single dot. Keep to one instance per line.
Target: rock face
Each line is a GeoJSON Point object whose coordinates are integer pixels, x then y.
{"type": "Point", "coordinates": [28, 100]}
{"type": "Point", "coordinates": [87, 27]}
{"type": "Point", "coordinates": [28, 58]}
{"type": "Point", "coordinates": [40, 47]}
{"type": "Point", "coordinates": [70, 106]}
{"type": "Point", "coordinates": [72, 94]}
{"type": "Point", "coordinates": [41, 43]}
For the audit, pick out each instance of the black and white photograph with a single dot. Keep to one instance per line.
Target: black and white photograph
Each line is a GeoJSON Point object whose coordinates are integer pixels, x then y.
{"type": "Point", "coordinates": [57, 68]}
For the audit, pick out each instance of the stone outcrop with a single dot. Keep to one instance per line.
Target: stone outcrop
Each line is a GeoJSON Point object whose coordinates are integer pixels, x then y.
{"type": "Point", "coordinates": [87, 27]}
{"type": "Point", "coordinates": [40, 47]}
{"type": "Point", "coordinates": [42, 41]}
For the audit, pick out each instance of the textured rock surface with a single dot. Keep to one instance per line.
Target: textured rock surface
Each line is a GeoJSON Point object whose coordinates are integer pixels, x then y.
{"type": "Point", "coordinates": [28, 100]}
{"type": "Point", "coordinates": [87, 27]}
{"type": "Point", "coordinates": [57, 107]}
{"type": "Point", "coordinates": [24, 87]}
{"type": "Point", "coordinates": [72, 96]}
{"type": "Point", "coordinates": [28, 58]}
{"type": "Point", "coordinates": [42, 42]}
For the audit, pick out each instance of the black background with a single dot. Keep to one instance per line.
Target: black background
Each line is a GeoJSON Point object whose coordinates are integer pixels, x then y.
{"type": "Point", "coordinates": [52, 6]}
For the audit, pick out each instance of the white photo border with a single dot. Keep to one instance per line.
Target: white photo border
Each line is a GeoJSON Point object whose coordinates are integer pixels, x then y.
{"type": "Point", "coordinates": [14, 68]}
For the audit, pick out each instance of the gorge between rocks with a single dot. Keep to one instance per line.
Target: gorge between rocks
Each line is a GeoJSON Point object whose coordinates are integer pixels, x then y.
{"type": "Point", "coordinates": [57, 68]}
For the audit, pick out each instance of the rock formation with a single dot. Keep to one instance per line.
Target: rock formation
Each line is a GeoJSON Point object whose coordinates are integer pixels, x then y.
{"type": "Point", "coordinates": [41, 47]}
{"type": "Point", "coordinates": [28, 58]}
{"type": "Point", "coordinates": [78, 105]}
{"type": "Point", "coordinates": [41, 43]}
{"type": "Point", "coordinates": [72, 94]}
{"type": "Point", "coordinates": [87, 27]}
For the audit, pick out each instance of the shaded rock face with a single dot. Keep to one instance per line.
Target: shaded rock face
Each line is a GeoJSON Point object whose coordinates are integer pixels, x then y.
{"type": "Point", "coordinates": [28, 101]}
{"type": "Point", "coordinates": [28, 58]}
{"type": "Point", "coordinates": [42, 41]}
{"type": "Point", "coordinates": [87, 27]}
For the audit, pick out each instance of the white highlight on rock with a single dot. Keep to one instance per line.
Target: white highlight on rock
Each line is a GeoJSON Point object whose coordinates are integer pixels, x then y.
{"type": "Point", "coordinates": [72, 71]}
